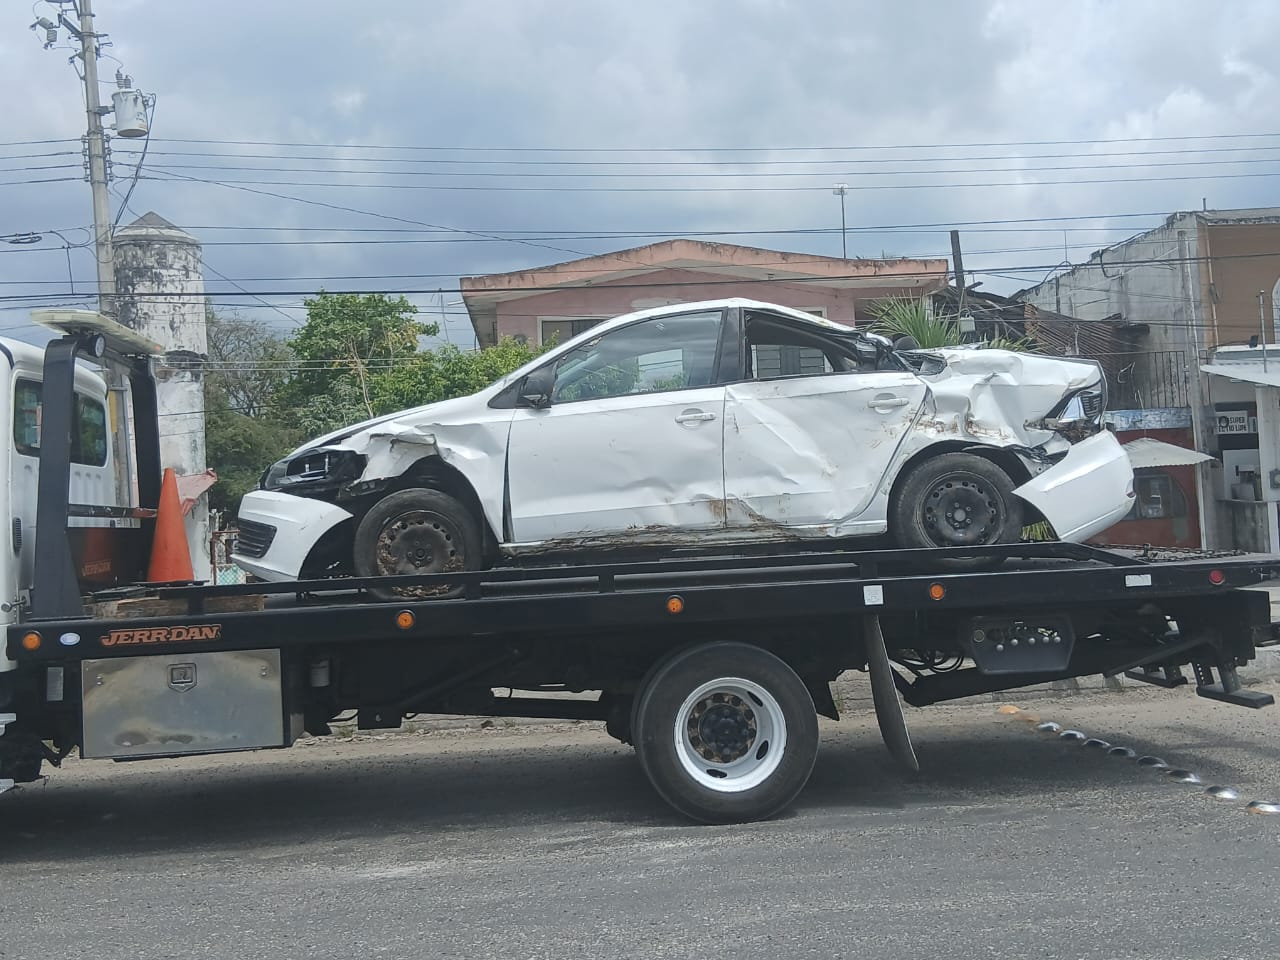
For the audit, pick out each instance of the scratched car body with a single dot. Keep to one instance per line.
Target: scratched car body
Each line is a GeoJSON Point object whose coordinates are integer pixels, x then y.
{"type": "Point", "coordinates": [706, 424]}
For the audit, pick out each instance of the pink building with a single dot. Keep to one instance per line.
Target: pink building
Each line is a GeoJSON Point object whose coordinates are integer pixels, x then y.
{"type": "Point", "coordinates": [566, 298]}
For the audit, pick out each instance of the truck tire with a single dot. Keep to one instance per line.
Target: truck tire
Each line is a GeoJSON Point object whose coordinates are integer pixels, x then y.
{"type": "Point", "coordinates": [417, 531]}
{"type": "Point", "coordinates": [726, 733]}
{"type": "Point", "coordinates": [953, 501]}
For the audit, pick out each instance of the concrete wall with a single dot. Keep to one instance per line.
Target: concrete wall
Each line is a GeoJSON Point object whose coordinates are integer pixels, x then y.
{"type": "Point", "coordinates": [160, 282]}
{"type": "Point", "coordinates": [1243, 260]}
{"type": "Point", "coordinates": [1122, 281]}
{"type": "Point", "coordinates": [520, 317]}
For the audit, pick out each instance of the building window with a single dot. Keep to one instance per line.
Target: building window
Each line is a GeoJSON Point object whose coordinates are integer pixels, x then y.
{"type": "Point", "coordinates": [88, 425]}
{"type": "Point", "coordinates": [1157, 496]}
{"type": "Point", "coordinates": [561, 329]}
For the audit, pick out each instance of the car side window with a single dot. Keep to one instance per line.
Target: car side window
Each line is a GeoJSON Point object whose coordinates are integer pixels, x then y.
{"type": "Point", "coordinates": [777, 348]}
{"type": "Point", "coordinates": [650, 356]}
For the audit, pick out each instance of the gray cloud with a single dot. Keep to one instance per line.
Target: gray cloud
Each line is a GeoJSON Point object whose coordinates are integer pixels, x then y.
{"type": "Point", "coordinates": [767, 74]}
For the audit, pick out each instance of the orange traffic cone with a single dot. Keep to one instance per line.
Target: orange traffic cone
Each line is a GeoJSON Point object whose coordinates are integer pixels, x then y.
{"type": "Point", "coordinates": [170, 554]}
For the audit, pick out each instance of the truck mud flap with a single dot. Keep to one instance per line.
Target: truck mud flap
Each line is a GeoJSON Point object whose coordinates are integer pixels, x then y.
{"type": "Point", "coordinates": [884, 693]}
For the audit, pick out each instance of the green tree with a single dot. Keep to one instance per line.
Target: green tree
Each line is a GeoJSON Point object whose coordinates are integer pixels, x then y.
{"type": "Point", "coordinates": [245, 428]}
{"type": "Point", "coordinates": [349, 346]}
{"type": "Point", "coordinates": [447, 372]}
{"type": "Point", "coordinates": [248, 364]}
{"type": "Point", "coordinates": [239, 447]}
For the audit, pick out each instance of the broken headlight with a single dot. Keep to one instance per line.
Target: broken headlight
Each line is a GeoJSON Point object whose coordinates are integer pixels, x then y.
{"type": "Point", "coordinates": [313, 467]}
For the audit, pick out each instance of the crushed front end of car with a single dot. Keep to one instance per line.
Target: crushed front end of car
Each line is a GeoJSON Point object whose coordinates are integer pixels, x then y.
{"type": "Point", "coordinates": [1050, 412]}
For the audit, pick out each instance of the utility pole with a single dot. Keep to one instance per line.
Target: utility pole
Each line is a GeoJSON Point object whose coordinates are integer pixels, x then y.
{"type": "Point", "coordinates": [1195, 393]}
{"type": "Point", "coordinates": [131, 121]}
{"type": "Point", "coordinates": [97, 143]}
{"type": "Point", "coordinates": [95, 139]}
{"type": "Point", "coordinates": [840, 189]}
{"type": "Point", "coordinates": [1262, 325]}
{"type": "Point", "coordinates": [957, 264]}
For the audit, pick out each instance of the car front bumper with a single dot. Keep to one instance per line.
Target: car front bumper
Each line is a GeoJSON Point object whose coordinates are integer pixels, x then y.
{"type": "Point", "coordinates": [278, 532]}
{"type": "Point", "coordinates": [1086, 491]}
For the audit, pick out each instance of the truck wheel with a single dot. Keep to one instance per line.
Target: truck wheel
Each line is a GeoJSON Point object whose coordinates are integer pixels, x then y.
{"type": "Point", "coordinates": [726, 733]}
{"type": "Point", "coordinates": [416, 531]}
{"type": "Point", "coordinates": [957, 500]}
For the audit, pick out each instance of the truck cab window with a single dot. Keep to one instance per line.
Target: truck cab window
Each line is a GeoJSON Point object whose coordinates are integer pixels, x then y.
{"type": "Point", "coordinates": [26, 418]}
{"type": "Point", "coordinates": [88, 425]}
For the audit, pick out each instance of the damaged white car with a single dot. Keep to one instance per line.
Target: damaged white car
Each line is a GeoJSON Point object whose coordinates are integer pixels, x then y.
{"type": "Point", "coordinates": [702, 424]}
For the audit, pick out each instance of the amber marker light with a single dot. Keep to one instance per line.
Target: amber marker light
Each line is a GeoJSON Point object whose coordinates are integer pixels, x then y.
{"type": "Point", "coordinates": [31, 641]}
{"type": "Point", "coordinates": [675, 605]}
{"type": "Point", "coordinates": [937, 591]}
{"type": "Point", "coordinates": [405, 619]}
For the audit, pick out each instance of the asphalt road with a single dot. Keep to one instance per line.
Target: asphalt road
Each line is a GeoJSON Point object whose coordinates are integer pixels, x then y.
{"type": "Point", "coordinates": [547, 842]}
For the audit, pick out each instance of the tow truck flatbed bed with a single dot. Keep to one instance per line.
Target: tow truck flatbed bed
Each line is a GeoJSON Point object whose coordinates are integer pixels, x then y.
{"type": "Point", "coordinates": [597, 598]}
{"type": "Point", "coordinates": [714, 667]}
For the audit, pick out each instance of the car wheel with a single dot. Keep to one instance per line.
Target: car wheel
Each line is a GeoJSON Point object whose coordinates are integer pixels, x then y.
{"type": "Point", "coordinates": [417, 531]}
{"type": "Point", "coordinates": [957, 500]}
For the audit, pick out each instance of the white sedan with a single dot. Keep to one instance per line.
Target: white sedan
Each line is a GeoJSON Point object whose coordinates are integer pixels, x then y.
{"type": "Point", "coordinates": [703, 424]}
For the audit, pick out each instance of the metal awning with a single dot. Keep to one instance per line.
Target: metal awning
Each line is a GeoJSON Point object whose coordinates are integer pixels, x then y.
{"type": "Point", "coordinates": [1148, 452]}
{"type": "Point", "coordinates": [1248, 372]}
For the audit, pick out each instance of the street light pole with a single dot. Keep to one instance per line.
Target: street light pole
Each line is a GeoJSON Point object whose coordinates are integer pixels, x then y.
{"type": "Point", "coordinates": [840, 190]}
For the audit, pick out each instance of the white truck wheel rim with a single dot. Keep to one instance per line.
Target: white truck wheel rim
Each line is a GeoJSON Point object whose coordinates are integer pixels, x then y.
{"type": "Point", "coordinates": [730, 735]}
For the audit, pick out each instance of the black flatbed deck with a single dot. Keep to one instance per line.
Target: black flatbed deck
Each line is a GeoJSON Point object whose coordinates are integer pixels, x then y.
{"type": "Point", "coordinates": [610, 597]}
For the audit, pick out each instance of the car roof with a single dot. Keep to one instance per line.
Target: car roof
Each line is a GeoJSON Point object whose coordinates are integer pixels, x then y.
{"type": "Point", "coordinates": [673, 309]}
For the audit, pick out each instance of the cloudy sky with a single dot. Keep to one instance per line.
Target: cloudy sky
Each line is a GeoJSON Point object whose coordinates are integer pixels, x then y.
{"type": "Point", "coordinates": [380, 146]}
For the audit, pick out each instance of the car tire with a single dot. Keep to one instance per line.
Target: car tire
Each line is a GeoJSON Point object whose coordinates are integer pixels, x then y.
{"type": "Point", "coordinates": [417, 531]}
{"type": "Point", "coordinates": [956, 500]}
{"type": "Point", "coordinates": [726, 733]}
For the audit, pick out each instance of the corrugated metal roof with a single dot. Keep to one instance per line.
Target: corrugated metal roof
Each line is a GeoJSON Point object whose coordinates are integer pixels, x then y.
{"type": "Point", "coordinates": [1149, 452]}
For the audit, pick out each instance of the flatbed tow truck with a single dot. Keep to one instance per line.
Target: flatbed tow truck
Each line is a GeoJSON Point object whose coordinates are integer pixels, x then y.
{"type": "Point", "coordinates": [714, 667]}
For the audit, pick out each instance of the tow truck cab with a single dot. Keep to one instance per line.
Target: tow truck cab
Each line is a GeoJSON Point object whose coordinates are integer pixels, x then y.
{"type": "Point", "coordinates": [62, 421]}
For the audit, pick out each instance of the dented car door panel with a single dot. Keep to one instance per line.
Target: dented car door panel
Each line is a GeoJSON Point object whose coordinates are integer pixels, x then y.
{"type": "Point", "coordinates": [805, 456]}
{"type": "Point", "coordinates": [648, 463]}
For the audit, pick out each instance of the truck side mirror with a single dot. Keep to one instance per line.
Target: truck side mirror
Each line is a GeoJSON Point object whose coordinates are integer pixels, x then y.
{"type": "Point", "coordinates": [536, 389]}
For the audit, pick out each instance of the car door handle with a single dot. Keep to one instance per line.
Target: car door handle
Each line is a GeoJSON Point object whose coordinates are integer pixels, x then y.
{"type": "Point", "coordinates": [887, 403]}
{"type": "Point", "coordinates": [691, 416]}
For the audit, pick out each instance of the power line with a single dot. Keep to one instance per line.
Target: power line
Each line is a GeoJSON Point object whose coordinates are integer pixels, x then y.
{"type": "Point", "coordinates": [686, 175]}
{"type": "Point", "coordinates": [20, 183]}
{"type": "Point", "coordinates": [38, 143]}
{"type": "Point", "coordinates": [449, 161]}
{"type": "Point", "coordinates": [701, 189]}
{"type": "Point", "coordinates": [1214, 138]}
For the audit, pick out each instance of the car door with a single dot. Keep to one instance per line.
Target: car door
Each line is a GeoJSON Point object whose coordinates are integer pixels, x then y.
{"type": "Point", "coordinates": [810, 433]}
{"type": "Point", "coordinates": [631, 441]}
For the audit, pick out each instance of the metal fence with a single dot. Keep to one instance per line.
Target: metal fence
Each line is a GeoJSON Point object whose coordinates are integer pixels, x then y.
{"type": "Point", "coordinates": [221, 545]}
{"type": "Point", "coordinates": [1147, 380]}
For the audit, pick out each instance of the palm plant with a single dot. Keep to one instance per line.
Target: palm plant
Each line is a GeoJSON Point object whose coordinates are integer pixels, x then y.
{"type": "Point", "coordinates": [911, 317]}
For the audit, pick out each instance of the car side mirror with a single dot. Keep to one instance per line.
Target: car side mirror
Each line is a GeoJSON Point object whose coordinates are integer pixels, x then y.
{"type": "Point", "coordinates": [536, 389]}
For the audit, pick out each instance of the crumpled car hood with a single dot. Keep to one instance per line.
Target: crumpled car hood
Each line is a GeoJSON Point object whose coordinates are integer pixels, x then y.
{"type": "Point", "coordinates": [993, 395]}
{"type": "Point", "coordinates": [440, 412]}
